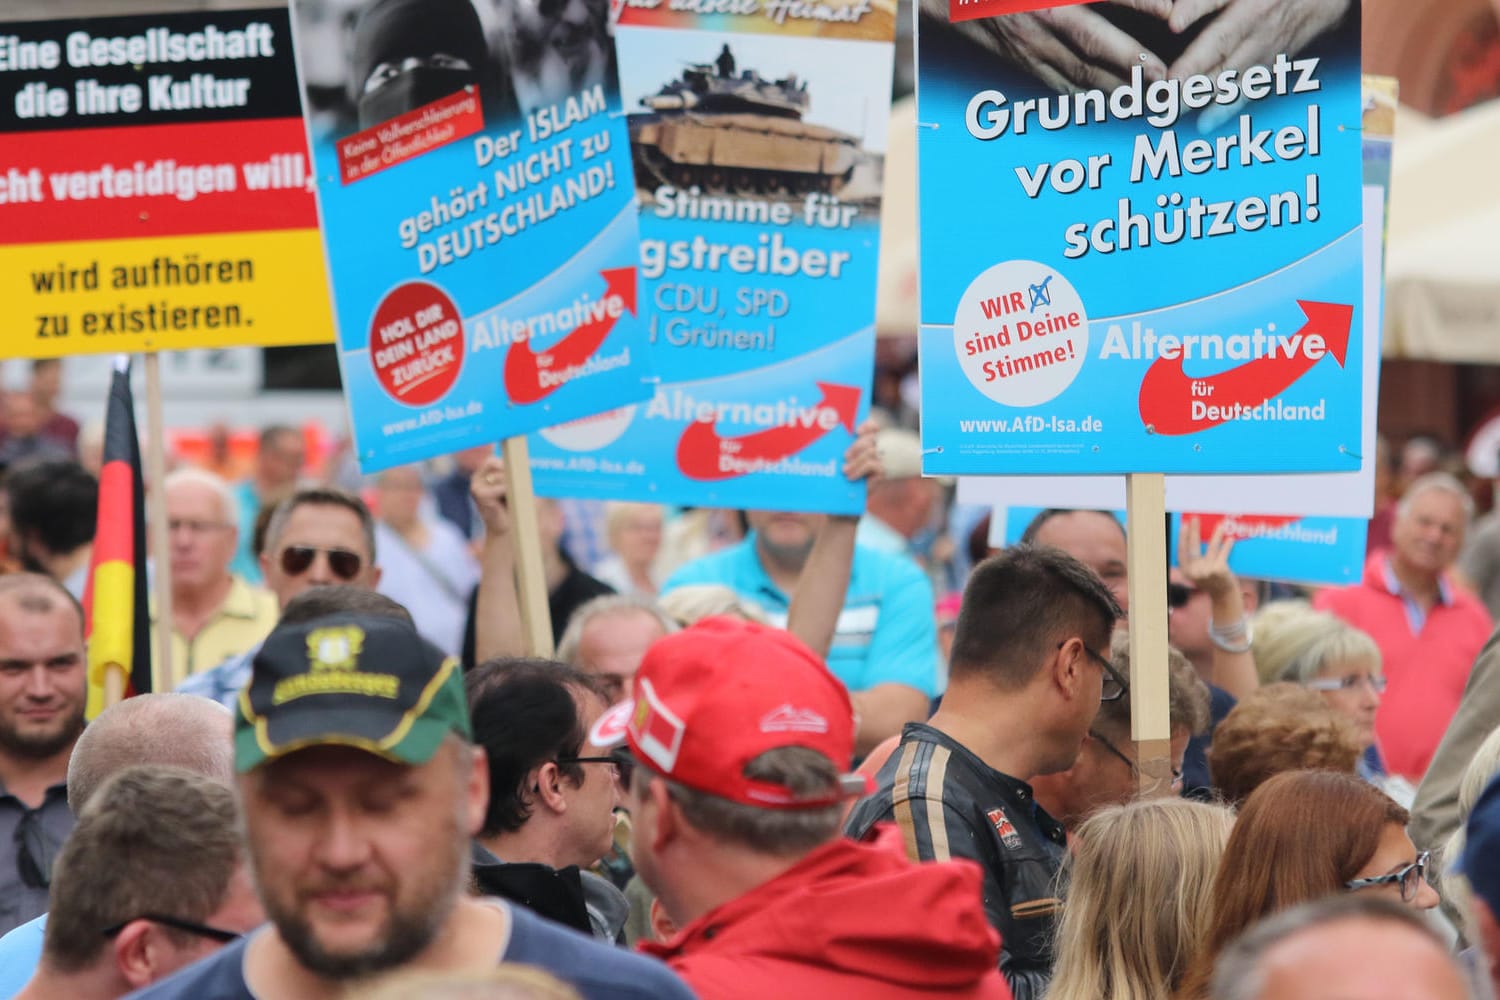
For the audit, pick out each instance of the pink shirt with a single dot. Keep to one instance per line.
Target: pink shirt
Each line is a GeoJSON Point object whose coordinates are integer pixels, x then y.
{"type": "Point", "coordinates": [1426, 668]}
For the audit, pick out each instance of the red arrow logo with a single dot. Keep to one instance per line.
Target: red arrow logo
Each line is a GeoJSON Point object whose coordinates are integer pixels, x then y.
{"type": "Point", "coordinates": [1168, 395]}
{"type": "Point", "coordinates": [524, 369]}
{"type": "Point", "coordinates": [703, 455]}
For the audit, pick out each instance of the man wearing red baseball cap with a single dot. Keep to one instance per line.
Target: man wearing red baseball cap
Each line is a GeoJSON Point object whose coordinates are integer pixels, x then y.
{"type": "Point", "coordinates": [744, 741]}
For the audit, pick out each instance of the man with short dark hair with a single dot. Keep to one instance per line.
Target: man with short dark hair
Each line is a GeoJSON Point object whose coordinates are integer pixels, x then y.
{"type": "Point", "coordinates": [319, 536]}
{"type": "Point", "coordinates": [1027, 676]}
{"type": "Point", "coordinates": [361, 791]}
{"type": "Point", "coordinates": [552, 797]}
{"type": "Point", "coordinates": [54, 510]}
{"type": "Point", "coordinates": [743, 740]}
{"type": "Point", "coordinates": [1203, 593]}
{"type": "Point", "coordinates": [43, 686]}
{"type": "Point", "coordinates": [1352, 946]}
{"type": "Point", "coordinates": [151, 880]}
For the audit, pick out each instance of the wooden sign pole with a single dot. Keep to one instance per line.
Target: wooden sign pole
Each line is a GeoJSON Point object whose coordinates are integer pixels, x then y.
{"type": "Point", "coordinates": [1150, 720]}
{"type": "Point", "coordinates": [531, 577]}
{"type": "Point", "coordinates": [168, 673]}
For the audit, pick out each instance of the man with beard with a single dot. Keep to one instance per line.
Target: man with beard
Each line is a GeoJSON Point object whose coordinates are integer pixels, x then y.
{"type": "Point", "coordinates": [884, 646]}
{"type": "Point", "coordinates": [42, 691]}
{"type": "Point", "coordinates": [53, 511]}
{"type": "Point", "coordinates": [361, 788]}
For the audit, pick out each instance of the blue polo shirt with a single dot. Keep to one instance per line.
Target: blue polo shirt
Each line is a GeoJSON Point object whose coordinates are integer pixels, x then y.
{"type": "Point", "coordinates": [20, 954]}
{"type": "Point", "coordinates": [886, 634]}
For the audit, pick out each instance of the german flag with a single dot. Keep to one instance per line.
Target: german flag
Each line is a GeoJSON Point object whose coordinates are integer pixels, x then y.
{"type": "Point", "coordinates": [114, 601]}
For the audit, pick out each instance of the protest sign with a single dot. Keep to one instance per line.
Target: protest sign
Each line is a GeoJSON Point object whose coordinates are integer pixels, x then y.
{"type": "Point", "coordinates": [1316, 550]}
{"type": "Point", "coordinates": [154, 186]}
{"type": "Point", "coordinates": [1142, 264]}
{"type": "Point", "coordinates": [758, 137]}
{"type": "Point", "coordinates": [474, 186]}
{"type": "Point", "coordinates": [1330, 495]}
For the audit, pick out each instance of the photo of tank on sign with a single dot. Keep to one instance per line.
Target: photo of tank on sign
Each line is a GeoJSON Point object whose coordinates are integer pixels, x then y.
{"type": "Point", "coordinates": [727, 126]}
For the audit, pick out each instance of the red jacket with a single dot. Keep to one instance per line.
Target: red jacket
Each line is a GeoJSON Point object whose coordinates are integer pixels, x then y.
{"type": "Point", "coordinates": [1425, 671]}
{"type": "Point", "coordinates": [850, 920]}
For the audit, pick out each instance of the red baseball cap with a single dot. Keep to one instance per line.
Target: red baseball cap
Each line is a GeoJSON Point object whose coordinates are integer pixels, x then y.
{"type": "Point", "coordinates": [713, 697]}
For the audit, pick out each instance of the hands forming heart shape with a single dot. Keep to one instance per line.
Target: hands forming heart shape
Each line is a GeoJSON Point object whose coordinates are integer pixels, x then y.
{"type": "Point", "coordinates": [1076, 47]}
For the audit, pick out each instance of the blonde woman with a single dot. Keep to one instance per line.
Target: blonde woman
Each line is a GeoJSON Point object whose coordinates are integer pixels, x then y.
{"type": "Point", "coordinates": [1342, 663]}
{"type": "Point", "coordinates": [1138, 899]}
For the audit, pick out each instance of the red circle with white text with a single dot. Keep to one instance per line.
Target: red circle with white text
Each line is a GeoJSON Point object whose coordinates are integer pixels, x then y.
{"type": "Point", "coordinates": [416, 343]}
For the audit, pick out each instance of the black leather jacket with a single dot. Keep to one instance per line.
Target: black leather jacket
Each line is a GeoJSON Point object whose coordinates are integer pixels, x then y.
{"type": "Point", "coordinates": [948, 804]}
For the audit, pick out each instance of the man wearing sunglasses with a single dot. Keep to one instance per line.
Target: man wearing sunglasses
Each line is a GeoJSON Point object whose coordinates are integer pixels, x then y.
{"type": "Point", "coordinates": [42, 693]}
{"type": "Point", "coordinates": [152, 879]}
{"type": "Point", "coordinates": [1027, 677]}
{"type": "Point", "coordinates": [319, 536]}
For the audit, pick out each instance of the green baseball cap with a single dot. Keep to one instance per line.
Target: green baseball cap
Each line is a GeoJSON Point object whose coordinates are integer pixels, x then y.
{"type": "Point", "coordinates": [349, 680]}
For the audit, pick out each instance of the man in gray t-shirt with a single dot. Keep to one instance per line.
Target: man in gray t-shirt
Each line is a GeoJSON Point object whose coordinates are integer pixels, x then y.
{"type": "Point", "coordinates": [43, 675]}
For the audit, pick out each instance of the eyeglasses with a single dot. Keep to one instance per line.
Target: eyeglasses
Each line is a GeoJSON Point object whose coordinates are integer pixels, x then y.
{"type": "Point", "coordinates": [1178, 594]}
{"type": "Point", "coordinates": [610, 760]}
{"type": "Point", "coordinates": [177, 923]}
{"type": "Point", "coordinates": [35, 851]}
{"type": "Point", "coordinates": [1135, 770]}
{"type": "Point", "coordinates": [297, 559]}
{"type": "Point", "coordinates": [624, 763]}
{"type": "Point", "coordinates": [1115, 686]}
{"type": "Point", "coordinates": [1409, 878]}
{"type": "Point", "coordinates": [1347, 683]}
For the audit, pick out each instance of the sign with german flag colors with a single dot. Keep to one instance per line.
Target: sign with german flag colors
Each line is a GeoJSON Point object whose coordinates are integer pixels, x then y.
{"type": "Point", "coordinates": [155, 191]}
{"type": "Point", "coordinates": [474, 187]}
{"type": "Point", "coordinates": [758, 130]}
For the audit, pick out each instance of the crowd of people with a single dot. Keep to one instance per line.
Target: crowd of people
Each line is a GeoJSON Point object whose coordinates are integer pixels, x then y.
{"type": "Point", "coordinates": [774, 754]}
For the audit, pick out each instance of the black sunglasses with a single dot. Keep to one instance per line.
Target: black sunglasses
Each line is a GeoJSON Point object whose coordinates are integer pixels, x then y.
{"type": "Point", "coordinates": [297, 559]}
{"type": "Point", "coordinates": [1178, 594]}
{"type": "Point", "coordinates": [177, 923]}
{"type": "Point", "coordinates": [35, 851]}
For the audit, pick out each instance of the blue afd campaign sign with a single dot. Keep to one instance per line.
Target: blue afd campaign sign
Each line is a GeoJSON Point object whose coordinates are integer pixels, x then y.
{"type": "Point", "coordinates": [1149, 263]}
{"type": "Point", "coordinates": [1327, 550]}
{"type": "Point", "coordinates": [758, 143]}
{"type": "Point", "coordinates": [1318, 550]}
{"type": "Point", "coordinates": [474, 184]}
